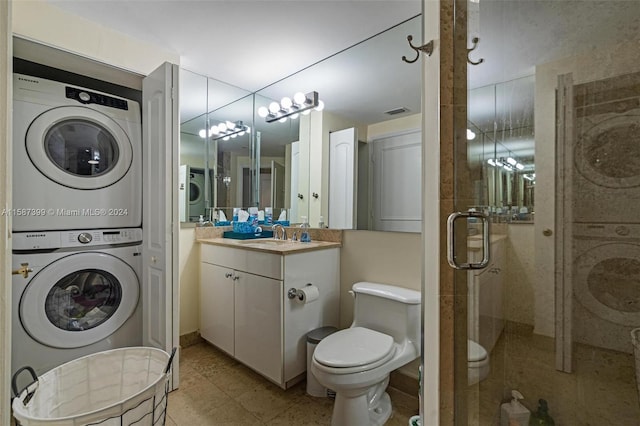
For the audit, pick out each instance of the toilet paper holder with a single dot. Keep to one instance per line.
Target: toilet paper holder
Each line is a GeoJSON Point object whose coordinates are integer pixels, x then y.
{"type": "Point", "coordinates": [292, 293]}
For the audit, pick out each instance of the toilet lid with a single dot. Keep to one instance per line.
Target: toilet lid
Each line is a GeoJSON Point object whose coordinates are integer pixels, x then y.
{"type": "Point", "coordinates": [353, 347]}
{"type": "Point", "coordinates": [475, 352]}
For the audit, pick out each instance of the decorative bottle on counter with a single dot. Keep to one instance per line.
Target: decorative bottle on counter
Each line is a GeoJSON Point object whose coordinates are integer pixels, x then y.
{"type": "Point", "coordinates": [304, 231]}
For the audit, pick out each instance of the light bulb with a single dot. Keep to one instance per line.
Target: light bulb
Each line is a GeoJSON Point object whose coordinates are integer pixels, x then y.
{"type": "Point", "coordinates": [226, 138]}
{"type": "Point", "coordinates": [274, 107]}
{"type": "Point", "coordinates": [202, 133]}
{"type": "Point", "coordinates": [241, 133]}
{"type": "Point", "coordinates": [231, 125]}
{"type": "Point", "coordinates": [247, 129]}
{"type": "Point", "coordinates": [222, 127]}
{"type": "Point", "coordinates": [306, 112]}
{"type": "Point", "coordinates": [286, 102]}
{"type": "Point", "coordinates": [211, 132]}
{"type": "Point", "coordinates": [235, 135]}
{"type": "Point", "coordinates": [511, 161]}
{"type": "Point", "coordinates": [320, 106]}
{"type": "Point", "coordinates": [470, 135]}
{"type": "Point", "coordinates": [283, 119]}
{"type": "Point", "coordinates": [214, 130]}
{"type": "Point", "coordinates": [491, 162]}
{"type": "Point", "coordinates": [294, 116]}
{"type": "Point", "coordinates": [519, 166]}
{"type": "Point", "coordinates": [299, 98]}
{"type": "Point", "coordinates": [263, 111]}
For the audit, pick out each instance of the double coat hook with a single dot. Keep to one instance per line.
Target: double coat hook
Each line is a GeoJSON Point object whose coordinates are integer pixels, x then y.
{"type": "Point", "coordinates": [427, 48]}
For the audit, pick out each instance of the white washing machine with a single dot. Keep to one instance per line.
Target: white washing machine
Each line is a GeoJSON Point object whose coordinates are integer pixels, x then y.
{"type": "Point", "coordinates": [196, 194]}
{"type": "Point", "coordinates": [606, 284]}
{"type": "Point", "coordinates": [80, 295]}
{"type": "Point", "coordinates": [76, 158]}
{"type": "Point", "coordinates": [606, 152]}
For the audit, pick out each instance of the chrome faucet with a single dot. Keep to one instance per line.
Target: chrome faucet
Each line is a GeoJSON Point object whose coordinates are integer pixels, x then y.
{"type": "Point", "coordinates": [277, 227]}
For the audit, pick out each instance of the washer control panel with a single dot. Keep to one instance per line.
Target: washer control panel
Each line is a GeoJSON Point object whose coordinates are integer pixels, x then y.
{"type": "Point", "coordinates": [85, 238]}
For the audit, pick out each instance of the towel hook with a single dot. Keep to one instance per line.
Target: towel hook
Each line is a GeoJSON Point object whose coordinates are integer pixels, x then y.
{"type": "Point", "coordinates": [427, 48]}
{"type": "Point", "coordinates": [475, 41]}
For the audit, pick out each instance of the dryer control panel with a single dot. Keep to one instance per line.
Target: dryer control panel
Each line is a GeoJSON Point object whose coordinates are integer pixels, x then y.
{"type": "Point", "coordinates": [48, 240]}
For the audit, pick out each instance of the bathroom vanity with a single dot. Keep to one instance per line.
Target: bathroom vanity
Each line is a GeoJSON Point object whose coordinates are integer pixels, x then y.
{"type": "Point", "coordinates": [246, 308]}
{"type": "Point", "coordinates": [486, 286]}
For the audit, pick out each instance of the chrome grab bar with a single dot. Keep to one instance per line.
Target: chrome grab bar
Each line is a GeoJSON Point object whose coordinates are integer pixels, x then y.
{"type": "Point", "coordinates": [451, 249]}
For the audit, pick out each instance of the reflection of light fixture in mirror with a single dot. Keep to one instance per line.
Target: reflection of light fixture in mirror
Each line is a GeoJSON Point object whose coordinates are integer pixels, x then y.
{"type": "Point", "coordinates": [509, 163]}
{"type": "Point", "coordinates": [470, 135]}
{"type": "Point", "coordinates": [226, 130]}
{"type": "Point", "coordinates": [301, 104]}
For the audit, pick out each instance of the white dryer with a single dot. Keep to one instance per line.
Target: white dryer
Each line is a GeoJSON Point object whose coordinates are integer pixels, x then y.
{"type": "Point", "coordinates": [606, 151]}
{"type": "Point", "coordinates": [80, 295]}
{"type": "Point", "coordinates": [606, 284]}
{"type": "Point", "coordinates": [76, 158]}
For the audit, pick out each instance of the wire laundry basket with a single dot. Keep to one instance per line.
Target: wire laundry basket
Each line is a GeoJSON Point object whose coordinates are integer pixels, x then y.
{"type": "Point", "coordinates": [123, 387]}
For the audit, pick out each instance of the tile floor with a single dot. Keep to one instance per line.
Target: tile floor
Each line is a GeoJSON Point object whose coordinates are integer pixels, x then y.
{"type": "Point", "coordinates": [600, 392]}
{"type": "Point", "coordinates": [217, 390]}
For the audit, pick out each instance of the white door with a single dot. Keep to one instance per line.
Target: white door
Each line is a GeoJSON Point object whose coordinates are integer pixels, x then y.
{"type": "Point", "coordinates": [343, 169]}
{"type": "Point", "coordinates": [277, 185]}
{"type": "Point", "coordinates": [397, 193]}
{"type": "Point", "coordinates": [160, 134]}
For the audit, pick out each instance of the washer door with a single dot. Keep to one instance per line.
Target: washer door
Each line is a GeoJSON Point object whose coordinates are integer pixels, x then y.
{"type": "Point", "coordinates": [607, 154]}
{"type": "Point", "coordinates": [79, 147]}
{"type": "Point", "coordinates": [607, 282]}
{"type": "Point", "coordinates": [79, 300]}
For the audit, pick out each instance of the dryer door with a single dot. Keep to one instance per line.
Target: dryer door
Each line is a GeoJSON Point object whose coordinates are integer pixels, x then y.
{"type": "Point", "coordinates": [79, 147]}
{"type": "Point", "coordinates": [79, 300]}
{"type": "Point", "coordinates": [607, 282]}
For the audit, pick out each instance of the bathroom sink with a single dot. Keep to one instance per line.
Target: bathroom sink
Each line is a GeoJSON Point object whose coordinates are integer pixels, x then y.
{"type": "Point", "coordinates": [267, 241]}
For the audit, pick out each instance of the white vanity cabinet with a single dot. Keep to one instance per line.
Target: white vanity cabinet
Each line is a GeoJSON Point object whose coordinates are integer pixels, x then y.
{"type": "Point", "coordinates": [245, 309]}
{"type": "Point", "coordinates": [486, 289]}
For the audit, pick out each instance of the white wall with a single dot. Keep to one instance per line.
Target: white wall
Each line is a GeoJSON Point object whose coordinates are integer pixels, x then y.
{"type": "Point", "coordinates": [520, 278]}
{"type": "Point", "coordinates": [395, 126]}
{"type": "Point", "coordinates": [38, 20]}
{"type": "Point", "coordinates": [189, 270]}
{"type": "Point", "coordinates": [5, 202]}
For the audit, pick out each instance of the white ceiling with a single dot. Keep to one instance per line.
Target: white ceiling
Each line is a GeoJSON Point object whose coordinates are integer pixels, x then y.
{"type": "Point", "coordinates": [249, 44]}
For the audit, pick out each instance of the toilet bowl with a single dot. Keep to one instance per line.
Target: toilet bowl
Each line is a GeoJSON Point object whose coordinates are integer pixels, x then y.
{"type": "Point", "coordinates": [478, 365]}
{"type": "Point", "coordinates": [356, 362]}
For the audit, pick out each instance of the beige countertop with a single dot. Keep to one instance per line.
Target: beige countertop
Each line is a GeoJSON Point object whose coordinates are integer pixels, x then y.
{"type": "Point", "coordinates": [269, 245]}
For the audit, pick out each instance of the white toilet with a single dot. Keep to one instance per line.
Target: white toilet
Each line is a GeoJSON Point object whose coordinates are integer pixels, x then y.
{"type": "Point", "coordinates": [356, 362]}
{"type": "Point", "coordinates": [477, 362]}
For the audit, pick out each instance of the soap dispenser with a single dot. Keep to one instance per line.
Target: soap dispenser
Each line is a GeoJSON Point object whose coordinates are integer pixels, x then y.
{"type": "Point", "coordinates": [513, 412]}
{"type": "Point", "coordinates": [541, 417]}
{"type": "Point", "coordinates": [304, 231]}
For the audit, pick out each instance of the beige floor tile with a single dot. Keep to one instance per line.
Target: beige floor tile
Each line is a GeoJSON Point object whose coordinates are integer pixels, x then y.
{"type": "Point", "coordinates": [304, 413]}
{"type": "Point", "coordinates": [267, 402]}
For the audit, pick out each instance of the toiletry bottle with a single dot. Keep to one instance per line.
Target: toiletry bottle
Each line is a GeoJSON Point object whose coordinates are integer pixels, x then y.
{"type": "Point", "coordinates": [201, 221]}
{"type": "Point", "coordinates": [321, 222]}
{"type": "Point", "coordinates": [304, 231]}
{"type": "Point", "coordinates": [541, 416]}
{"type": "Point", "coordinates": [514, 412]}
{"type": "Point", "coordinates": [268, 216]}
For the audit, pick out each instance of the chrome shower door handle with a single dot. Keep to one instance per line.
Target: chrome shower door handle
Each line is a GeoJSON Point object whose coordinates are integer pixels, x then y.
{"type": "Point", "coordinates": [451, 246]}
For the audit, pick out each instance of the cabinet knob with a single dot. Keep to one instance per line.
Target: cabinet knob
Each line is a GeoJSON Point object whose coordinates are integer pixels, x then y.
{"type": "Point", "coordinates": [228, 275]}
{"type": "Point", "coordinates": [547, 232]}
{"type": "Point", "coordinates": [236, 277]}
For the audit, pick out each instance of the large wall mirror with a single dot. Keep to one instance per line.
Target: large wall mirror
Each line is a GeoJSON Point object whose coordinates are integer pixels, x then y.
{"type": "Point", "coordinates": [353, 164]}
{"type": "Point", "coordinates": [500, 141]}
{"type": "Point", "coordinates": [215, 144]}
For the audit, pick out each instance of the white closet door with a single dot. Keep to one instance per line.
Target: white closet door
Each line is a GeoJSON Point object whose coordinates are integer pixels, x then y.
{"type": "Point", "coordinates": [343, 169]}
{"type": "Point", "coordinates": [397, 183]}
{"type": "Point", "coordinates": [295, 185]}
{"type": "Point", "coordinates": [160, 210]}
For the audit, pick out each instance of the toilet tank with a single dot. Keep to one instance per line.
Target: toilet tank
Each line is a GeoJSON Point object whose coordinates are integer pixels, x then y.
{"type": "Point", "coordinates": [388, 309]}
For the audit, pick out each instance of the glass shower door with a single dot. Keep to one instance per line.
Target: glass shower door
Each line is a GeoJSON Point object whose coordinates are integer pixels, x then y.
{"type": "Point", "coordinates": [552, 157]}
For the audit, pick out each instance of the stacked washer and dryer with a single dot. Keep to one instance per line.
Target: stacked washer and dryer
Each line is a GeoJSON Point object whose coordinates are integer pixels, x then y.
{"type": "Point", "coordinates": [77, 217]}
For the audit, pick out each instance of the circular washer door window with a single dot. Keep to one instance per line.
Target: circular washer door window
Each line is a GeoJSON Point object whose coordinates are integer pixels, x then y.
{"type": "Point", "coordinates": [608, 154]}
{"type": "Point", "coordinates": [79, 147]}
{"type": "Point", "coordinates": [79, 300]}
{"type": "Point", "coordinates": [607, 282]}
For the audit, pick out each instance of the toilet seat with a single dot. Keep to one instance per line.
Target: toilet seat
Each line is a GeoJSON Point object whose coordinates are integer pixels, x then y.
{"type": "Point", "coordinates": [354, 349]}
{"type": "Point", "coordinates": [475, 352]}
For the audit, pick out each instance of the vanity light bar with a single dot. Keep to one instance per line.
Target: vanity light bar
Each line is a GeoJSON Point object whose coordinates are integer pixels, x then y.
{"type": "Point", "coordinates": [509, 164]}
{"type": "Point", "coordinates": [300, 104]}
{"type": "Point", "coordinates": [226, 130]}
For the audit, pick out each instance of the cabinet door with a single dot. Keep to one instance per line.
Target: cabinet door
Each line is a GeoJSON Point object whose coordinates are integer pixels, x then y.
{"type": "Point", "coordinates": [258, 324]}
{"type": "Point", "coordinates": [217, 306]}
